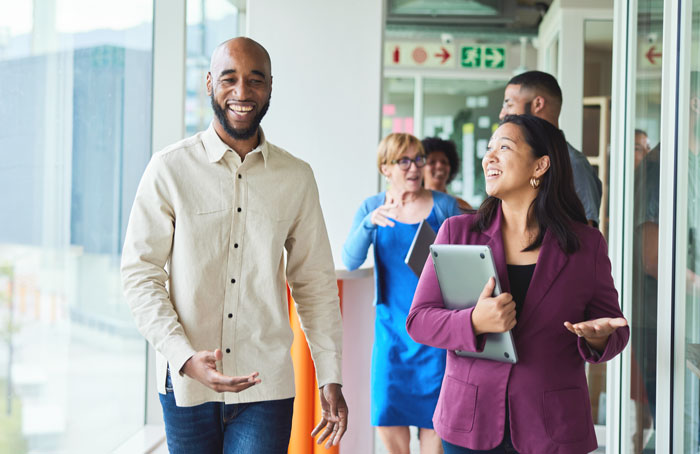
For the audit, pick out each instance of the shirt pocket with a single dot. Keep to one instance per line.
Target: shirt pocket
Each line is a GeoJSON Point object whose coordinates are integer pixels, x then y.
{"type": "Point", "coordinates": [566, 415]}
{"type": "Point", "coordinates": [205, 225]}
{"type": "Point", "coordinates": [211, 198]}
{"type": "Point", "coordinates": [270, 215]}
{"type": "Point", "coordinates": [458, 404]}
{"type": "Point", "coordinates": [270, 226]}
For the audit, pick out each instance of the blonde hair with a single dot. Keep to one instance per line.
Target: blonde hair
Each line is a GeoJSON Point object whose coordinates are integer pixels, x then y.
{"type": "Point", "coordinates": [396, 144]}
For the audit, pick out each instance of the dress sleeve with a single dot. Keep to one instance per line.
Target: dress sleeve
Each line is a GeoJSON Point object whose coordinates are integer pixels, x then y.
{"type": "Point", "coordinates": [604, 304]}
{"type": "Point", "coordinates": [360, 237]}
{"type": "Point", "coordinates": [453, 207]}
{"type": "Point", "coordinates": [429, 322]}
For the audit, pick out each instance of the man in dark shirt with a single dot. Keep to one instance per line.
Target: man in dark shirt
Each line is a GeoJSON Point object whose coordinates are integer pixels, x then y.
{"type": "Point", "coordinates": [538, 93]}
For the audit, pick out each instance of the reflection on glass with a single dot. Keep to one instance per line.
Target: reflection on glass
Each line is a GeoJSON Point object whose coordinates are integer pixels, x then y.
{"type": "Point", "coordinates": [691, 400]}
{"type": "Point", "coordinates": [641, 406]}
{"type": "Point", "coordinates": [75, 84]}
{"type": "Point", "coordinates": [209, 23]}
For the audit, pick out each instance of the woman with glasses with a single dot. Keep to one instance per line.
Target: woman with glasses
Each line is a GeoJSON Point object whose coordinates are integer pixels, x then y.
{"type": "Point", "coordinates": [406, 376]}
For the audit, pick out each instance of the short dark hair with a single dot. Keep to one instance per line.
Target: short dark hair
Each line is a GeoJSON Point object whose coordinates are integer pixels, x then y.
{"type": "Point", "coordinates": [433, 144]}
{"type": "Point", "coordinates": [556, 205]}
{"type": "Point", "coordinates": [539, 81]}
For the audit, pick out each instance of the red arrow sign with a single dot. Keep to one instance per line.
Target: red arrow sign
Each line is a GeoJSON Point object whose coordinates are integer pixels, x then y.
{"type": "Point", "coordinates": [650, 55]}
{"type": "Point", "coordinates": [444, 54]}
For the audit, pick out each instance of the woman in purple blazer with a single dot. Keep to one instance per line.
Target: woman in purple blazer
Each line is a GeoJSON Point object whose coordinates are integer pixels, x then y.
{"type": "Point", "coordinates": [558, 299]}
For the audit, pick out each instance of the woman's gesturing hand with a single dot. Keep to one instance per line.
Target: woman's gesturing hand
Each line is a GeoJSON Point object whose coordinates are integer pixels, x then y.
{"type": "Point", "coordinates": [380, 216]}
{"type": "Point", "coordinates": [596, 332]}
{"type": "Point", "coordinates": [493, 314]}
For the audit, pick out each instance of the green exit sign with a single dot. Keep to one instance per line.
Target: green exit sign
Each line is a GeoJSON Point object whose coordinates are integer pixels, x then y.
{"type": "Point", "coordinates": [489, 57]}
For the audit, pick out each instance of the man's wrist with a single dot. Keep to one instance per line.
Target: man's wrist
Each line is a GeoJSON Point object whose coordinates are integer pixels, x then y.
{"type": "Point", "coordinates": [182, 371]}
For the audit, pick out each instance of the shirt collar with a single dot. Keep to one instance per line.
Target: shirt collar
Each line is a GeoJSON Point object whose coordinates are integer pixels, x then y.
{"type": "Point", "coordinates": [216, 148]}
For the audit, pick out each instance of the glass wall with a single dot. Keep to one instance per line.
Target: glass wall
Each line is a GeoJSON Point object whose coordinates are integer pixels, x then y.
{"type": "Point", "coordinates": [687, 250]}
{"type": "Point", "coordinates": [209, 23]}
{"type": "Point", "coordinates": [75, 84]}
{"type": "Point", "coordinates": [661, 405]}
{"type": "Point", "coordinates": [641, 401]}
{"type": "Point", "coordinates": [397, 105]}
{"type": "Point", "coordinates": [464, 111]}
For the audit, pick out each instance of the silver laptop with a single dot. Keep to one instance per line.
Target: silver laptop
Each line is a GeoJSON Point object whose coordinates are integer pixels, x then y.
{"type": "Point", "coordinates": [420, 248]}
{"type": "Point", "coordinates": [462, 271]}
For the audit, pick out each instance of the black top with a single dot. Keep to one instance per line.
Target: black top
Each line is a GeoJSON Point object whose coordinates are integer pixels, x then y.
{"type": "Point", "coordinates": [519, 277]}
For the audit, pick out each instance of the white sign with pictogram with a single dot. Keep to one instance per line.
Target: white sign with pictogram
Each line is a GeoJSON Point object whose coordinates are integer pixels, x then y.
{"type": "Point", "coordinates": [649, 55]}
{"type": "Point", "coordinates": [417, 54]}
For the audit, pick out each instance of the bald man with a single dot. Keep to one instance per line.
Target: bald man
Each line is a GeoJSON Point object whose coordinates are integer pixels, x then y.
{"type": "Point", "coordinates": [204, 271]}
{"type": "Point", "coordinates": [539, 94]}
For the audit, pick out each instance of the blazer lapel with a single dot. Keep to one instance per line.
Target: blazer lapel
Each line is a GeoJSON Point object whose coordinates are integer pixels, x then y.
{"type": "Point", "coordinates": [550, 262]}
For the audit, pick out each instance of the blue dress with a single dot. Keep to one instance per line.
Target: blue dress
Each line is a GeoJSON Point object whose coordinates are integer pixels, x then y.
{"type": "Point", "coordinates": [406, 376]}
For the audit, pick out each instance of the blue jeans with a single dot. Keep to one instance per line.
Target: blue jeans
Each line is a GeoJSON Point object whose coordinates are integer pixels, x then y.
{"type": "Point", "coordinates": [216, 428]}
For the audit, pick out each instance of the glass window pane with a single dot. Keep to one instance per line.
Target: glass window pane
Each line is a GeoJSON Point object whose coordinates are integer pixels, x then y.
{"type": "Point", "coordinates": [397, 105]}
{"type": "Point", "coordinates": [209, 23]}
{"type": "Point", "coordinates": [691, 390]}
{"type": "Point", "coordinates": [75, 84]}
{"type": "Point", "coordinates": [466, 112]}
{"type": "Point", "coordinates": [641, 402]}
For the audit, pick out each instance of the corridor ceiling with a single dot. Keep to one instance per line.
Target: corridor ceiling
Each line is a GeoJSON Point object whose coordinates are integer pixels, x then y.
{"type": "Point", "coordinates": [467, 16]}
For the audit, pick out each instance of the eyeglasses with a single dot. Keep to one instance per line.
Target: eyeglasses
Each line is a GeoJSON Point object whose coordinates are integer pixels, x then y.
{"type": "Point", "coordinates": [405, 163]}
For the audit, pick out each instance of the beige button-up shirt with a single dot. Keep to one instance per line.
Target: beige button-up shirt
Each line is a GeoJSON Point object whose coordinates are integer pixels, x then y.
{"type": "Point", "coordinates": [203, 266]}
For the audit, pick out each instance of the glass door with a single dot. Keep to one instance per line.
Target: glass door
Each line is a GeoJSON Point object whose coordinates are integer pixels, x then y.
{"type": "Point", "coordinates": [645, 73]}
{"type": "Point", "coordinates": [687, 351]}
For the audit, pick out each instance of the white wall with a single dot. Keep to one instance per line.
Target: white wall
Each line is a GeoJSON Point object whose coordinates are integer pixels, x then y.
{"type": "Point", "coordinates": [325, 108]}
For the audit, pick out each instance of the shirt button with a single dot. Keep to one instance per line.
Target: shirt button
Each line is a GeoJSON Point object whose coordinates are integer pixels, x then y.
{"type": "Point", "coordinates": [228, 350]}
{"type": "Point", "coordinates": [235, 244]}
{"type": "Point", "coordinates": [233, 281]}
{"type": "Point", "coordinates": [240, 176]}
{"type": "Point", "coordinates": [230, 315]}
{"type": "Point", "coordinates": [239, 209]}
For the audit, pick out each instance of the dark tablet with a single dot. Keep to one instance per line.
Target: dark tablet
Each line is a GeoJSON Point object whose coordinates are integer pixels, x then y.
{"type": "Point", "coordinates": [420, 247]}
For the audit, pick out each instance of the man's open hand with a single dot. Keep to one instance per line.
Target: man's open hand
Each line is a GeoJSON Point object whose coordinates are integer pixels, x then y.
{"type": "Point", "coordinates": [202, 367]}
{"type": "Point", "coordinates": [334, 415]}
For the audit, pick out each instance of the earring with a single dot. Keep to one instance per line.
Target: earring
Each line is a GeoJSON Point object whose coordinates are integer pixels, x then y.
{"type": "Point", "coordinates": [534, 182]}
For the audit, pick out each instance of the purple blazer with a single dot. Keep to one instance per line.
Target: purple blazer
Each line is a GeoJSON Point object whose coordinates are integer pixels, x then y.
{"type": "Point", "coordinates": [549, 407]}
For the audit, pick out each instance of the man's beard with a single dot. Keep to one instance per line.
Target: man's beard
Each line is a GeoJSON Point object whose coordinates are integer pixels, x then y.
{"type": "Point", "coordinates": [528, 108]}
{"type": "Point", "coordinates": [238, 134]}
